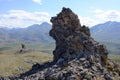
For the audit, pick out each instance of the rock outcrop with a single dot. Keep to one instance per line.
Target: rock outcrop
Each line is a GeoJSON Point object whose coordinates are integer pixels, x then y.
{"type": "Point", "coordinates": [74, 40]}
{"type": "Point", "coordinates": [77, 55]}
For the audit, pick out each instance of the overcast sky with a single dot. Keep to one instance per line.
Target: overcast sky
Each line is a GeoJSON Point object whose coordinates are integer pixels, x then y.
{"type": "Point", "coordinates": [23, 13]}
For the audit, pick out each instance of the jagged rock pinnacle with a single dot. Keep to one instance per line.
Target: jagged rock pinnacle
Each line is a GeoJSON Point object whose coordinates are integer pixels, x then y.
{"type": "Point", "coordinates": [72, 39]}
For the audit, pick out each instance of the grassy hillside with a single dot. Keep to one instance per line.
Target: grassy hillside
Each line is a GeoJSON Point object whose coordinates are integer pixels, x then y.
{"type": "Point", "coordinates": [16, 46]}
{"type": "Point", "coordinates": [11, 63]}
{"type": "Point", "coordinates": [115, 58]}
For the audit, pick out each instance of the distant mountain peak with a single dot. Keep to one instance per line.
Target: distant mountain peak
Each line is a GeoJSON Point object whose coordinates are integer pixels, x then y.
{"type": "Point", "coordinates": [35, 32]}
{"type": "Point", "coordinates": [109, 23]}
{"type": "Point", "coordinates": [107, 32]}
{"type": "Point", "coordinates": [45, 24]}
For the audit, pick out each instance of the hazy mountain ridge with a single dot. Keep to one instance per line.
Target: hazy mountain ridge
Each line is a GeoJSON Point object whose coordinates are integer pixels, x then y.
{"type": "Point", "coordinates": [105, 32]}
{"type": "Point", "coordinates": [34, 33]}
{"type": "Point", "coordinates": [108, 34]}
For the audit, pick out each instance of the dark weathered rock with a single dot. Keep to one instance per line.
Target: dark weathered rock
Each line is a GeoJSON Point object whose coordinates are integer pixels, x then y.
{"type": "Point", "coordinates": [108, 77]}
{"type": "Point", "coordinates": [73, 39]}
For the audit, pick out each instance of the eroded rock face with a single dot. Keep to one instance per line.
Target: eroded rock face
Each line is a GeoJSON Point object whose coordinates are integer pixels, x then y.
{"type": "Point", "coordinates": [74, 40]}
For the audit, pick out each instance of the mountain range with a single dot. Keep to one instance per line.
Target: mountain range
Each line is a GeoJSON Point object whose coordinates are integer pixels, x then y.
{"type": "Point", "coordinates": [33, 33]}
{"type": "Point", "coordinates": [106, 33]}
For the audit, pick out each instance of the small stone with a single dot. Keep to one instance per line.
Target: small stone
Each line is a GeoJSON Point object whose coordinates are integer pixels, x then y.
{"type": "Point", "coordinates": [94, 68]}
{"type": "Point", "coordinates": [88, 76]}
{"type": "Point", "coordinates": [108, 77]}
{"type": "Point", "coordinates": [82, 59]}
{"type": "Point", "coordinates": [81, 68]}
{"type": "Point", "coordinates": [61, 62]}
{"type": "Point", "coordinates": [84, 71]}
{"type": "Point", "coordinates": [99, 66]}
{"type": "Point", "coordinates": [55, 66]}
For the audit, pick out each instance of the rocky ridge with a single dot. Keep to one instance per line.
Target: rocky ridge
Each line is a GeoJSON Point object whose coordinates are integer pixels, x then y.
{"type": "Point", "coordinates": [77, 55]}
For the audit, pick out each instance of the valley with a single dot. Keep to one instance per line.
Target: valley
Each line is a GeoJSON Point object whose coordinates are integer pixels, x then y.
{"type": "Point", "coordinates": [41, 47]}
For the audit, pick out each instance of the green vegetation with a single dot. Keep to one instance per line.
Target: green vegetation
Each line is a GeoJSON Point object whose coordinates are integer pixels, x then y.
{"type": "Point", "coordinates": [17, 63]}
{"type": "Point", "coordinates": [16, 46]}
{"type": "Point", "coordinates": [115, 58]}
{"type": "Point", "coordinates": [13, 63]}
